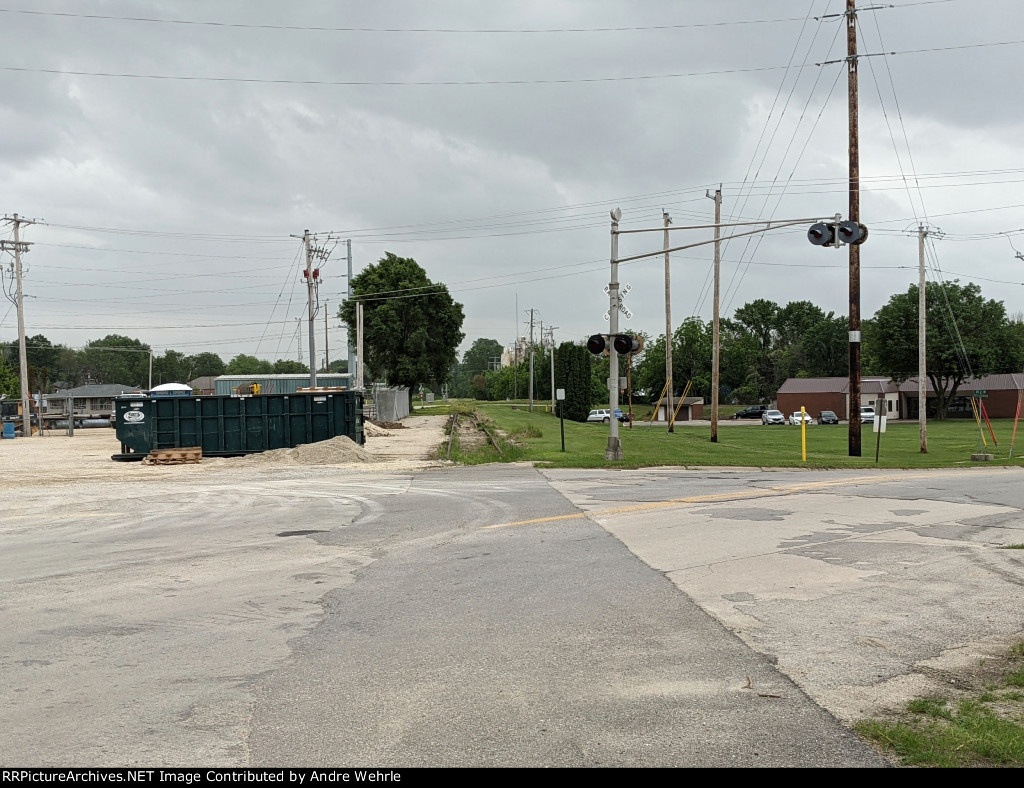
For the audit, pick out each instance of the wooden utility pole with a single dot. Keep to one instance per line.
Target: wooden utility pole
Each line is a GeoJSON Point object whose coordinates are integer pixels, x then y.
{"type": "Point", "coordinates": [922, 394]}
{"type": "Point", "coordinates": [18, 247]}
{"type": "Point", "coordinates": [668, 327]}
{"type": "Point", "coordinates": [351, 344]}
{"type": "Point", "coordinates": [360, 382]}
{"type": "Point", "coordinates": [854, 216]}
{"type": "Point", "coordinates": [551, 338]}
{"type": "Point", "coordinates": [716, 342]}
{"type": "Point", "coordinates": [531, 363]}
{"type": "Point", "coordinates": [310, 307]}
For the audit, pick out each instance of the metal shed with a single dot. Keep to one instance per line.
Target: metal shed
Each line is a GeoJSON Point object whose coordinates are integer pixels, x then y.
{"type": "Point", "coordinates": [224, 385]}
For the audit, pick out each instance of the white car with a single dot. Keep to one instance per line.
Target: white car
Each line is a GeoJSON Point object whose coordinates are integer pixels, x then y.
{"type": "Point", "coordinates": [773, 417]}
{"type": "Point", "coordinates": [795, 418]}
{"type": "Point", "coordinates": [604, 416]}
{"type": "Point", "coordinates": [867, 415]}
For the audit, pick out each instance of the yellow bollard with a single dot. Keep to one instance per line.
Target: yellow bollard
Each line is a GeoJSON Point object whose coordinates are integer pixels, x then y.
{"type": "Point", "coordinates": [803, 431]}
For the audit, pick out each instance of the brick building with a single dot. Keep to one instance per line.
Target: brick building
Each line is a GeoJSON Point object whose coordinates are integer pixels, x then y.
{"type": "Point", "coordinates": [818, 394]}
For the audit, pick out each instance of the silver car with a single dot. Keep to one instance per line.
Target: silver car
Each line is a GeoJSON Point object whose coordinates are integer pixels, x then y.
{"type": "Point", "coordinates": [773, 417]}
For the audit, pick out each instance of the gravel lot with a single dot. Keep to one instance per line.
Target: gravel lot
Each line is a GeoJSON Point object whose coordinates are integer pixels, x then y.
{"type": "Point", "coordinates": [54, 456]}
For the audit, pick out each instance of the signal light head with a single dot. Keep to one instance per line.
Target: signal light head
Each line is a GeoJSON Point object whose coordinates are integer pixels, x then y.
{"type": "Point", "coordinates": [627, 343]}
{"type": "Point", "coordinates": [852, 232]}
{"type": "Point", "coordinates": [822, 234]}
{"type": "Point", "coordinates": [597, 344]}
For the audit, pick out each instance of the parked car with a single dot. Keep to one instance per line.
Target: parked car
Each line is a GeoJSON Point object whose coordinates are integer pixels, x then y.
{"type": "Point", "coordinates": [773, 417]}
{"type": "Point", "coordinates": [750, 412]}
{"type": "Point", "coordinates": [867, 415]}
{"type": "Point", "coordinates": [604, 416]}
{"type": "Point", "coordinates": [827, 417]}
{"type": "Point", "coordinates": [795, 418]}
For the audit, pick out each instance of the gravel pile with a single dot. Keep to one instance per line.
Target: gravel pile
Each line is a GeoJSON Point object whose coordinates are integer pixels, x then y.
{"type": "Point", "coordinates": [335, 451]}
{"type": "Point", "coordinates": [371, 430]}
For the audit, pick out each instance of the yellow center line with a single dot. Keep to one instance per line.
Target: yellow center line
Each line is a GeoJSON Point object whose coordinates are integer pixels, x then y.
{"type": "Point", "coordinates": [729, 496]}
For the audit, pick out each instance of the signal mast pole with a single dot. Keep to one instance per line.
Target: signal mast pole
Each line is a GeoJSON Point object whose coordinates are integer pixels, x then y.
{"type": "Point", "coordinates": [854, 216]}
{"type": "Point", "coordinates": [614, 450]}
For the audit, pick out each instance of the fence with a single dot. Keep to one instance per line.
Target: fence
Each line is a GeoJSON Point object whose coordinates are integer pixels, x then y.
{"type": "Point", "coordinates": [390, 403]}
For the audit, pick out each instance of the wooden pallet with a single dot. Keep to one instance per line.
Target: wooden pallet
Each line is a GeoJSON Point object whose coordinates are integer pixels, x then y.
{"type": "Point", "coordinates": [175, 456]}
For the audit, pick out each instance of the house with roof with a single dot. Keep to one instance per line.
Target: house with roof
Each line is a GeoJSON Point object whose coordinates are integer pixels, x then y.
{"type": "Point", "coordinates": [691, 409]}
{"type": "Point", "coordinates": [1003, 392]}
{"type": "Point", "coordinates": [818, 394]}
{"type": "Point", "coordinates": [92, 401]}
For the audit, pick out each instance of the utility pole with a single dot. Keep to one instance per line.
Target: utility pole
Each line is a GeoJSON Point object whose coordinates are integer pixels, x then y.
{"type": "Point", "coordinates": [515, 353]}
{"type": "Point", "coordinates": [351, 345]}
{"type": "Point", "coordinates": [551, 338]}
{"type": "Point", "coordinates": [854, 216]}
{"type": "Point", "coordinates": [540, 331]}
{"type": "Point", "coordinates": [327, 356]}
{"type": "Point", "coordinates": [360, 383]}
{"type": "Point", "coordinates": [531, 363]}
{"type": "Point", "coordinates": [922, 395]}
{"type": "Point", "coordinates": [667, 220]}
{"type": "Point", "coordinates": [310, 307]}
{"type": "Point", "coordinates": [716, 342]}
{"type": "Point", "coordinates": [18, 248]}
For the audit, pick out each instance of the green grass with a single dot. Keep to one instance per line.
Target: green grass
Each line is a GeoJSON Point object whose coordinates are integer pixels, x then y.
{"type": "Point", "coordinates": [1012, 547]}
{"type": "Point", "coordinates": [981, 730]}
{"type": "Point", "coordinates": [950, 444]}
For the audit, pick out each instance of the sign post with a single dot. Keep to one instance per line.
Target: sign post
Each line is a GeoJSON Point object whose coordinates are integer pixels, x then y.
{"type": "Point", "coordinates": [560, 396]}
{"type": "Point", "coordinates": [803, 432]}
{"type": "Point", "coordinates": [879, 426]}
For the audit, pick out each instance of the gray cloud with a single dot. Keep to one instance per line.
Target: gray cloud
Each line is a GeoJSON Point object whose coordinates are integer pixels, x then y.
{"type": "Point", "coordinates": [227, 171]}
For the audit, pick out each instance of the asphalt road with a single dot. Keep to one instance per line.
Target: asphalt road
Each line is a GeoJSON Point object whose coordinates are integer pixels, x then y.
{"type": "Point", "coordinates": [496, 615]}
{"type": "Point", "coordinates": [553, 645]}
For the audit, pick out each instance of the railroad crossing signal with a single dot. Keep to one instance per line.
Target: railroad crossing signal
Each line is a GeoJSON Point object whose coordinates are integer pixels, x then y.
{"type": "Point", "coordinates": [623, 292]}
{"type": "Point", "coordinates": [837, 233]}
{"type": "Point", "coordinates": [623, 343]}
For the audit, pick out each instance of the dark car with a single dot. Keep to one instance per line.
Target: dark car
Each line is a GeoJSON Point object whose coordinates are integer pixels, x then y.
{"type": "Point", "coordinates": [752, 412]}
{"type": "Point", "coordinates": [828, 417]}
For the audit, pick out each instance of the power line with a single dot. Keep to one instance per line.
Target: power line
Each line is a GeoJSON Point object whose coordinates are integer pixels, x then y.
{"type": "Point", "coordinates": [447, 30]}
{"type": "Point", "coordinates": [387, 83]}
{"type": "Point", "coordinates": [476, 82]}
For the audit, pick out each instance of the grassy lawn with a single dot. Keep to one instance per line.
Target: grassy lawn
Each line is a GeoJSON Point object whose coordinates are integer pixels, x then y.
{"type": "Point", "coordinates": [985, 728]}
{"type": "Point", "coordinates": [536, 438]}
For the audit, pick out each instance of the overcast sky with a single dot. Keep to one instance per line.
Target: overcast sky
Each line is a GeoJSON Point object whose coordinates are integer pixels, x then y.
{"type": "Point", "coordinates": [489, 141]}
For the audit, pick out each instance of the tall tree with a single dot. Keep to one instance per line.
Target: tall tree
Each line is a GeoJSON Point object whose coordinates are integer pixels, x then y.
{"type": "Point", "coordinates": [412, 327]}
{"type": "Point", "coordinates": [760, 318]}
{"type": "Point", "coordinates": [289, 366]}
{"type": "Point", "coordinates": [966, 335]}
{"type": "Point", "coordinates": [740, 352]}
{"type": "Point", "coordinates": [205, 364]}
{"type": "Point", "coordinates": [10, 386]}
{"type": "Point", "coordinates": [244, 364]}
{"type": "Point", "coordinates": [475, 362]}
{"type": "Point", "coordinates": [573, 373]}
{"type": "Point", "coordinates": [691, 356]}
{"type": "Point", "coordinates": [170, 367]}
{"type": "Point", "coordinates": [826, 347]}
{"type": "Point", "coordinates": [117, 359]}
